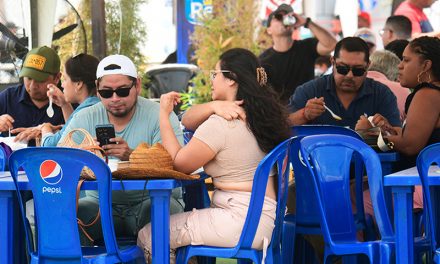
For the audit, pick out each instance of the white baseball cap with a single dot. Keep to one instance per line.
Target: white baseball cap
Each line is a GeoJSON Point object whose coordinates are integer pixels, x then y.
{"type": "Point", "coordinates": [116, 64]}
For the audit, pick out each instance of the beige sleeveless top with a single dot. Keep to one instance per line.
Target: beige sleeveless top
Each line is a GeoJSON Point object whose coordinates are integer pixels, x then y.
{"type": "Point", "coordinates": [237, 151]}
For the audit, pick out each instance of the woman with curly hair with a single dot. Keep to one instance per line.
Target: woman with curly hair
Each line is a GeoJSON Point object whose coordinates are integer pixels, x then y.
{"type": "Point", "coordinates": [420, 71]}
{"type": "Point", "coordinates": [229, 151]}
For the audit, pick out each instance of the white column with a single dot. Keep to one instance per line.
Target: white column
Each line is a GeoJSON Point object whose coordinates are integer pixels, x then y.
{"type": "Point", "coordinates": [46, 17]}
{"type": "Point", "coordinates": [310, 9]}
{"type": "Point", "coordinates": [347, 11]}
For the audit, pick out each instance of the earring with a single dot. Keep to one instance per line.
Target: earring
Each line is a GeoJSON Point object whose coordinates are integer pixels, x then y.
{"type": "Point", "coordinates": [419, 77]}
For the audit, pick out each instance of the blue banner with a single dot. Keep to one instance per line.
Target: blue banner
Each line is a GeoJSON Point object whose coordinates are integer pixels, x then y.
{"type": "Point", "coordinates": [188, 14]}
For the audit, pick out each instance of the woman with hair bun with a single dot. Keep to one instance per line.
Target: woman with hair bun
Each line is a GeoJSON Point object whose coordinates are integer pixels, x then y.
{"type": "Point", "coordinates": [79, 87]}
{"type": "Point", "coordinates": [229, 149]}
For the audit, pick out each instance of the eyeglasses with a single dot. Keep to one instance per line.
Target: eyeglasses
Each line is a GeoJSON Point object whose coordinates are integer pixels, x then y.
{"type": "Point", "coordinates": [213, 73]}
{"type": "Point", "coordinates": [382, 31]}
{"type": "Point", "coordinates": [344, 70]}
{"type": "Point", "coordinates": [120, 92]}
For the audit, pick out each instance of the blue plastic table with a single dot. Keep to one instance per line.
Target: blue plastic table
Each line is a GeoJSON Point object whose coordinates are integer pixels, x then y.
{"type": "Point", "coordinates": [402, 186]}
{"type": "Point", "coordinates": [11, 244]}
{"type": "Point", "coordinates": [387, 160]}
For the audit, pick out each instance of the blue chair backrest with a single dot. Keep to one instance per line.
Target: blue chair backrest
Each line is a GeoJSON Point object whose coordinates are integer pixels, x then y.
{"type": "Point", "coordinates": [328, 159]}
{"type": "Point", "coordinates": [428, 156]}
{"type": "Point", "coordinates": [307, 211]}
{"type": "Point", "coordinates": [307, 130]}
{"type": "Point", "coordinates": [2, 159]}
{"type": "Point", "coordinates": [277, 157]}
{"type": "Point", "coordinates": [53, 174]}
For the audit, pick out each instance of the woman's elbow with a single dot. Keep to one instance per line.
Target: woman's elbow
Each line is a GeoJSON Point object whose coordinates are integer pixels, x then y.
{"type": "Point", "coordinates": [410, 150]}
{"type": "Point", "coordinates": [183, 167]}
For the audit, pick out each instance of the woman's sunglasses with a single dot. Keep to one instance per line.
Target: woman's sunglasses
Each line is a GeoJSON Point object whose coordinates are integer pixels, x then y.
{"type": "Point", "coordinates": [344, 70]}
{"type": "Point", "coordinates": [120, 92]}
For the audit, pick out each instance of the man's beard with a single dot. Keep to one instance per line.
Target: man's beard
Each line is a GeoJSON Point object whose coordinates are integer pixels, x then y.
{"type": "Point", "coordinates": [124, 113]}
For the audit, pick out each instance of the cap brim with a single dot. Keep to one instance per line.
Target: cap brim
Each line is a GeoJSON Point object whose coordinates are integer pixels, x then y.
{"type": "Point", "coordinates": [34, 74]}
{"type": "Point", "coordinates": [144, 173]}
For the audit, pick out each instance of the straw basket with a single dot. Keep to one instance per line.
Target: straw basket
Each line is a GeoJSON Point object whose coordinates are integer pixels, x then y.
{"type": "Point", "coordinates": [87, 143]}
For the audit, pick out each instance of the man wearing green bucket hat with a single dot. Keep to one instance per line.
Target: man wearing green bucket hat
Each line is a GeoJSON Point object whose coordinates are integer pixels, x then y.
{"type": "Point", "coordinates": [23, 107]}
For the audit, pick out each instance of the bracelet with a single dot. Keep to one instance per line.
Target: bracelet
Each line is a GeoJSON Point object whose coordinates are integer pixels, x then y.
{"type": "Point", "coordinates": [308, 20]}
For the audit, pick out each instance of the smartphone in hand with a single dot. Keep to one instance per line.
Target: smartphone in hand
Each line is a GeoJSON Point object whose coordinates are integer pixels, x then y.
{"type": "Point", "coordinates": [104, 133]}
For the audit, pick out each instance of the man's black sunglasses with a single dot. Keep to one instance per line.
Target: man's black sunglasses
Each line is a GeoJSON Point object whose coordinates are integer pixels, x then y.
{"type": "Point", "coordinates": [120, 92]}
{"type": "Point", "coordinates": [344, 70]}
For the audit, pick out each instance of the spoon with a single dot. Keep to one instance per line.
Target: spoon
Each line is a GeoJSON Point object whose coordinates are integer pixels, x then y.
{"type": "Point", "coordinates": [335, 116]}
{"type": "Point", "coordinates": [370, 119]}
{"type": "Point", "coordinates": [49, 110]}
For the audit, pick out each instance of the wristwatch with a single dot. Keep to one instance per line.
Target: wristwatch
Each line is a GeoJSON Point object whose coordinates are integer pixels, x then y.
{"type": "Point", "coordinates": [308, 20]}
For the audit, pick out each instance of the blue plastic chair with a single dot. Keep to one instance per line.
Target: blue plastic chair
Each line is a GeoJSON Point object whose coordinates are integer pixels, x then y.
{"type": "Point", "coordinates": [243, 251]}
{"type": "Point", "coordinates": [307, 130]}
{"type": "Point", "coordinates": [53, 175]}
{"type": "Point", "coordinates": [2, 159]}
{"type": "Point", "coordinates": [306, 219]}
{"type": "Point", "coordinates": [328, 159]}
{"type": "Point", "coordinates": [428, 156]}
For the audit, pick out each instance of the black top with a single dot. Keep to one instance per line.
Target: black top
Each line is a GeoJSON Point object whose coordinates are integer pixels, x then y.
{"type": "Point", "coordinates": [435, 136]}
{"type": "Point", "coordinates": [410, 161]}
{"type": "Point", "coordinates": [287, 70]}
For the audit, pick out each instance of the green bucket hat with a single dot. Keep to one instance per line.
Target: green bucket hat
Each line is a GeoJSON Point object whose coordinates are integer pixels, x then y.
{"type": "Point", "coordinates": [40, 63]}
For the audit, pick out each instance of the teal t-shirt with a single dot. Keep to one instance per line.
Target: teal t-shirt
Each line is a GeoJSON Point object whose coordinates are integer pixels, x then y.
{"type": "Point", "coordinates": [143, 127]}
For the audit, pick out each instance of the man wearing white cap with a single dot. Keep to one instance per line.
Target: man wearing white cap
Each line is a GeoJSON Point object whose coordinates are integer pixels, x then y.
{"type": "Point", "coordinates": [135, 120]}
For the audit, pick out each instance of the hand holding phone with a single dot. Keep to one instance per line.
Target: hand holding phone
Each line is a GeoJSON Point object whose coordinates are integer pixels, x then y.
{"type": "Point", "coordinates": [104, 133]}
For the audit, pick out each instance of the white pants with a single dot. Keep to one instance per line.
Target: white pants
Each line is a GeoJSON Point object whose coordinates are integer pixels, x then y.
{"type": "Point", "coordinates": [220, 225]}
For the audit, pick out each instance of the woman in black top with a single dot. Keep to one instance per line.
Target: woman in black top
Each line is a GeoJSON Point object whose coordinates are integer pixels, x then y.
{"type": "Point", "coordinates": [420, 71]}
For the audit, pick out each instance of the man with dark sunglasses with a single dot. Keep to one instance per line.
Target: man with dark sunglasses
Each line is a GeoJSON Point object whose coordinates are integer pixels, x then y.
{"type": "Point", "coordinates": [289, 62]}
{"type": "Point", "coordinates": [347, 92]}
{"type": "Point", "coordinates": [136, 120]}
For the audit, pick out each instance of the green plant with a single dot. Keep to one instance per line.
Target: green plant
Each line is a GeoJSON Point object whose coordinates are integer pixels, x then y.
{"type": "Point", "coordinates": [128, 37]}
{"type": "Point", "coordinates": [125, 38]}
{"type": "Point", "coordinates": [233, 23]}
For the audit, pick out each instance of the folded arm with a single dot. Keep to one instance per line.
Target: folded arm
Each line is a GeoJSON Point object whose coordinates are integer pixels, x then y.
{"type": "Point", "coordinates": [198, 114]}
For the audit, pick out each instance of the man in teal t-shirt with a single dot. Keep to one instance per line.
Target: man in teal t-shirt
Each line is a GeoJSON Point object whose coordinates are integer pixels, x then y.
{"type": "Point", "coordinates": [136, 120]}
